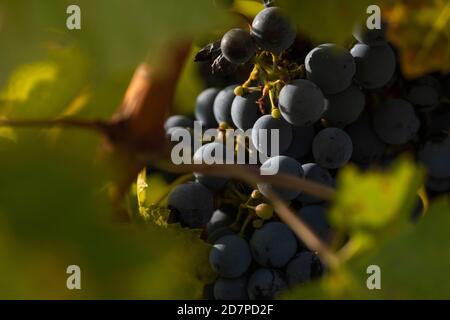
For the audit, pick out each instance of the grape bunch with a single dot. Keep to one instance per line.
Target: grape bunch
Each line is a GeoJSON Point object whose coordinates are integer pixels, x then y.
{"type": "Point", "coordinates": [330, 106]}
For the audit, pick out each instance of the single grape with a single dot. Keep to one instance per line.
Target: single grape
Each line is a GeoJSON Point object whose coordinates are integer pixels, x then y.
{"type": "Point", "coordinates": [264, 211]}
{"type": "Point", "coordinates": [367, 147]}
{"type": "Point", "coordinates": [302, 268]}
{"type": "Point", "coordinates": [178, 121]}
{"type": "Point", "coordinates": [431, 81]}
{"type": "Point", "coordinates": [212, 153]}
{"type": "Point", "coordinates": [345, 107]}
{"type": "Point", "coordinates": [204, 108]}
{"type": "Point", "coordinates": [222, 105]}
{"type": "Point", "coordinates": [272, 31]}
{"type": "Point", "coordinates": [263, 130]}
{"type": "Point", "coordinates": [193, 204]}
{"type": "Point", "coordinates": [302, 138]}
{"type": "Point", "coordinates": [301, 103]}
{"type": "Point", "coordinates": [375, 66]}
{"type": "Point", "coordinates": [395, 122]}
{"type": "Point", "coordinates": [230, 256]}
{"type": "Point", "coordinates": [238, 46]}
{"type": "Point", "coordinates": [435, 155]}
{"type": "Point", "coordinates": [285, 165]}
{"type": "Point", "coordinates": [273, 245]}
{"type": "Point", "coordinates": [332, 148]}
{"type": "Point", "coordinates": [266, 284]}
{"type": "Point", "coordinates": [315, 216]}
{"type": "Point", "coordinates": [424, 97]}
{"type": "Point", "coordinates": [218, 219]}
{"type": "Point", "coordinates": [231, 289]}
{"type": "Point", "coordinates": [245, 110]}
{"type": "Point", "coordinates": [371, 37]}
{"type": "Point", "coordinates": [330, 67]}
{"type": "Point", "coordinates": [316, 173]}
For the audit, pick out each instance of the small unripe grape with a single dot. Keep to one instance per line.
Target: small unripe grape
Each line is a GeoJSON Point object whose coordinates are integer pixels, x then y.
{"type": "Point", "coordinates": [264, 211]}
{"type": "Point", "coordinates": [256, 194]}
{"type": "Point", "coordinates": [276, 114]}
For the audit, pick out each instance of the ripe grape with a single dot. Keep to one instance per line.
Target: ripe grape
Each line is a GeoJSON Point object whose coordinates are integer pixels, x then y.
{"type": "Point", "coordinates": [345, 107]}
{"type": "Point", "coordinates": [302, 268]}
{"type": "Point", "coordinates": [178, 121]}
{"type": "Point", "coordinates": [272, 31]}
{"type": "Point", "coordinates": [265, 284]}
{"type": "Point", "coordinates": [222, 105]}
{"type": "Point", "coordinates": [315, 216]}
{"type": "Point", "coordinates": [285, 165]}
{"type": "Point", "coordinates": [367, 147]}
{"type": "Point", "coordinates": [316, 173]}
{"type": "Point", "coordinates": [273, 245]}
{"type": "Point", "coordinates": [332, 148]}
{"type": "Point", "coordinates": [245, 110]}
{"type": "Point", "coordinates": [424, 97]}
{"type": "Point", "coordinates": [204, 108]}
{"type": "Point", "coordinates": [193, 204]}
{"type": "Point", "coordinates": [231, 289]}
{"type": "Point", "coordinates": [230, 256]}
{"type": "Point", "coordinates": [395, 121]}
{"type": "Point", "coordinates": [238, 46]}
{"type": "Point", "coordinates": [302, 138]}
{"type": "Point", "coordinates": [435, 155]}
{"type": "Point", "coordinates": [301, 102]}
{"type": "Point", "coordinates": [214, 152]}
{"type": "Point", "coordinates": [330, 67]}
{"type": "Point", "coordinates": [371, 37]}
{"type": "Point", "coordinates": [375, 66]}
{"type": "Point", "coordinates": [262, 140]}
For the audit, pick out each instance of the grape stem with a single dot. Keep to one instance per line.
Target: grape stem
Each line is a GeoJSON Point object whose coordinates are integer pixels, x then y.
{"type": "Point", "coordinates": [246, 222]}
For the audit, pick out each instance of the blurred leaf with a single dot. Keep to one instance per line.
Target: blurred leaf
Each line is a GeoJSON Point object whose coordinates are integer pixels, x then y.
{"type": "Point", "coordinates": [328, 20]}
{"type": "Point", "coordinates": [54, 212]}
{"type": "Point", "coordinates": [373, 201]}
{"type": "Point", "coordinates": [421, 32]}
{"type": "Point", "coordinates": [189, 86]}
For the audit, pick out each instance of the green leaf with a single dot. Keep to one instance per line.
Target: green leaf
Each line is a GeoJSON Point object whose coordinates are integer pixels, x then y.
{"type": "Point", "coordinates": [337, 18]}
{"type": "Point", "coordinates": [373, 201]}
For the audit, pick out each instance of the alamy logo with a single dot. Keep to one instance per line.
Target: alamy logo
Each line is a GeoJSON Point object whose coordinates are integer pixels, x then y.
{"type": "Point", "coordinates": [374, 280]}
{"type": "Point", "coordinates": [73, 21]}
{"type": "Point", "coordinates": [190, 147]}
{"type": "Point", "coordinates": [74, 280]}
{"type": "Point", "coordinates": [374, 20]}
